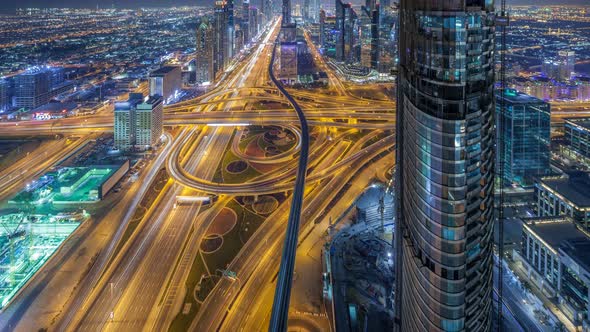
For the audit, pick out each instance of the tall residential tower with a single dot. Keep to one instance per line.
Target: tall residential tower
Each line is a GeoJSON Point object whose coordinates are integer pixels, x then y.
{"type": "Point", "coordinates": [446, 159]}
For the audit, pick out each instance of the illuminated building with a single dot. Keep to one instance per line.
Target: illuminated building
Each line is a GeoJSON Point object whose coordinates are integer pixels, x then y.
{"type": "Point", "coordinates": [347, 48]}
{"type": "Point", "coordinates": [5, 102]}
{"type": "Point", "coordinates": [286, 10]}
{"type": "Point", "coordinates": [526, 133]}
{"type": "Point", "coordinates": [445, 156]}
{"type": "Point", "coordinates": [328, 34]}
{"type": "Point", "coordinates": [577, 138]}
{"type": "Point", "coordinates": [574, 286]}
{"type": "Point", "coordinates": [541, 238]}
{"type": "Point", "coordinates": [149, 122]}
{"type": "Point", "coordinates": [32, 88]}
{"type": "Point", "coordinates": [565, 195]}
{"type": "Point", "coordinates": [138, 122]}
{"type": "Point", "coordinates": [204, 52]}
{"type": "Point", "coordinates": [125, 122]}
{"type": "Point", "coordinates": [224, 35]}
{"type": "Point", "coordinates": [288, 63]}
{"type": "Point", "coordinates": [166, 82]}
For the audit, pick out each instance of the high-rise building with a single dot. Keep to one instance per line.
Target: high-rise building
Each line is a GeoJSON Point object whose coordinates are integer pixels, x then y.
{"type": "Point", "coordinates": [245, 21]}
{"type": "Point", "coordinates": [166, 82]}
{"type": "Point", "coordinates": [149, 122]}
{"type": "Point", "coordinates": [204, 53]}
{"type": "Point", "coordinates": [253, 22]}
{"type": "Point", "coordinates": [567, 59]}
{"type": "Point", "coordinates": [138, 122]}
{"type": "Point", "coordinates": [560, 68]}
{"type": "Point", "coordinates": [32, 88]}
{"type": "Point", "coordinates": [525, 127]}
{"type": "Point", "coordinates": [125, 122]}
{"type": "Point", "coordinates": [5, 102]}
{"type": "Point", "coordinates": [339, 29]}
{"type": "Point", "coordinates": [329, 35]}
{"type": "Point", "coordinates": [445, 158]}
{"type": "Point", "coordinates": [286, 10]}
{"type": "Point", "coordinates": [224, 34]}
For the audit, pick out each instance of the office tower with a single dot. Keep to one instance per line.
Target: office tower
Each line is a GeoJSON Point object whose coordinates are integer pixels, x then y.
{"type": "Point", "coordinates": [526, 137]}
{"type": "Point", "coordinates": [445, 162]}
{"type": "Point", "coordinates": [166, 82]}
{"type": "Point", "coordinates": [567, 61]}
{"type": "Point", "coordinates": [329, 34]}
{"type": "Point", "coordinates": [125, 122]}
{"type": "Point", "coordinates": [365, 36]}
{"type": "Point", "coordinates": [339, 31]}
{"type": "Point", "coordinates": [204, 53]}
{"type": "Point", "coordinates": [245, 22]}
{"type": "Point", "coordinates": [286, 12]}
{"type": "Point", "coordinates": [4, 95]}
{"type": "Point", "coordinates": [375, 19]}
{"type": "Point", "coordinates": [253, 22]}
{"type": "Point", "coordinates": [387, 41]}
{"type": "Point", "coordinates": [32, 88]}
{"type": "Point", "coordinates": [224, 34]}
{"type": "Point", "coordinates": [149, 122]}
{"type": "Point", "coordinates": [288, 63]}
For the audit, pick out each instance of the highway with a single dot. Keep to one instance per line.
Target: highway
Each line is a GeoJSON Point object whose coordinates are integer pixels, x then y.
{"type": "Point", "coordinates": [130, 288]}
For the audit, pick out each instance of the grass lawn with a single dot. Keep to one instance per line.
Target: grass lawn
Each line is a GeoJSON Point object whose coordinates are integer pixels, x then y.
{"type": "Point", "coordinates": [242, 177]}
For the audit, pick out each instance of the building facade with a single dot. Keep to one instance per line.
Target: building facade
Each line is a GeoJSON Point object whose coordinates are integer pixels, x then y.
{"type": "Point", "coordinates": [445, 168]}
{"type": "Point", "coordinates": [577, 139]}
{"type": "Point", "coordinates": [124, 131]}
{"type": "Point", "coordinates": [204, 52]}
{"type": "Point", "coordinates": [149, 117]}
{"type": "Point", "coordinates": [565, 195]}
{"type": "Point", "coordinates": [166, 82]}
{"type": "Point", "coordinates": [525, 129]}
{"type": "Point", "coordinates": [32, 89]}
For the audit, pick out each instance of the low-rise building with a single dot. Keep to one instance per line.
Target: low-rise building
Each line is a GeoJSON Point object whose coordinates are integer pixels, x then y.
{"type": "Point", "coordinates": [574, 286]}
{"type": "Point", "coordinates": [541, 238]}
{"type": "Point", "coordinates": [577, 139]}
{"type": "Point", "coordinates": [565, 195]}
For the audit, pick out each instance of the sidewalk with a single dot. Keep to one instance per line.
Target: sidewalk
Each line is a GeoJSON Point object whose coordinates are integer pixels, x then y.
{"type": "Point", "coordinates": [549, 304]}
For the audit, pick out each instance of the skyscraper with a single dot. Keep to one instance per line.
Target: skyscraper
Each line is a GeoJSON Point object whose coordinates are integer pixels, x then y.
{"type": "Point", "coordinates": [4, 94]}
{"type": "Point", "coordinates": [286, 12]}
{"type": "Point", "coordinates": [224, 34]}
{"type": "Point", "coordinates": [526, 133]}
{"type": "Point", "coordinates": [445, 166]}
{"type": "Point", "coordinates": [125, 122]}
{"type": "Point", "coordinates": [149, 122]}
{"type": "Point", "coordinates": [204, 52]}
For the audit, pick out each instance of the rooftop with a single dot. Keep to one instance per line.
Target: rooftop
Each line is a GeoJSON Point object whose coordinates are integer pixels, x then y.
{"type": "Point", "coordinates": [578, 250]}
{"type": "Point", "coordinates": [574, 186]}
{"type": "Point", "coordinates": [554, 230]}
{"type": "Point", "coordinates": [579, 122]}
{"type": "Point", "coordinates": [56, 107]}
{"type": "Point", "coordinates": [515, 97]}
{"type": "Point", "coordinates": [164, 70]}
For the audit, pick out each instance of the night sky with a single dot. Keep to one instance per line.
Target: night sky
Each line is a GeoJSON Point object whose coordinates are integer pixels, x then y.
{"type": "Point", "coordinates": [8, 6]}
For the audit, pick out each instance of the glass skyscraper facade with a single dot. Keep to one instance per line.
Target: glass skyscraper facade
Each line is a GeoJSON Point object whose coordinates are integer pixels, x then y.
{"type": "Point", "coordinates": [525, 128]}
{"type": "Point", "coordinates": [445, 156]}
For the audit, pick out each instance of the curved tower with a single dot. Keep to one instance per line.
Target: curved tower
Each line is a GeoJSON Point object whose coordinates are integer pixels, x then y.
{"type": "Point", "coordinates": [445, 156]}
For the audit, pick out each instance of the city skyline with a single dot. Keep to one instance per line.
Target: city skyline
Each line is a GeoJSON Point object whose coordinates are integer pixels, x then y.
{"type": "Point", "coordinates": [309, 165]}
